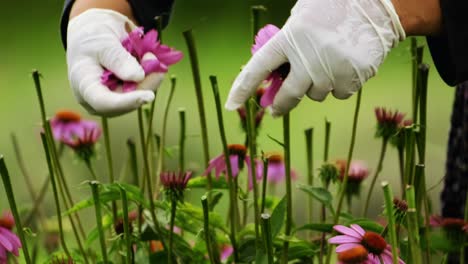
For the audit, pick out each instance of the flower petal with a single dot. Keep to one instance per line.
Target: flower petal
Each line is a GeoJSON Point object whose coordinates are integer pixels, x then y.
{"type": "Point", "coordinates": [346, 246]}
{"type": "Point", "coordinates": [347, 231]}
{"type": "Point", "coordinates": [358, 229]}
{"type": "Point", "coordinates": [343, 239]}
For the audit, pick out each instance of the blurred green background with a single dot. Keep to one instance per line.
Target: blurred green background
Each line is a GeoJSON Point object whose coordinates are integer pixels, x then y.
{"type": "Point", "coordinates": [31, 39]}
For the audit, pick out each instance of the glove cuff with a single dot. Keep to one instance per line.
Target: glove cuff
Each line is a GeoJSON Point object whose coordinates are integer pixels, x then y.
{"type": "Point", "coordinates": [397, 27]}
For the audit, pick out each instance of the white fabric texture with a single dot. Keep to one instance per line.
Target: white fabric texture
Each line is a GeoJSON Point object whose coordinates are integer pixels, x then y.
{"type": "Point", "coordinates": [332, 45]}
{"type": "Point", "coordinates": [94, 43]}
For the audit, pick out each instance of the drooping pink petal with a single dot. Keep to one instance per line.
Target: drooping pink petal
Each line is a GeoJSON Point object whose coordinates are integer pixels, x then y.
{"type": "Point", "coordinates": [358, 229]}
{"type": "Point", "coordinates": [347, 246]}
{"type": "Point", "coordinates": [347, 231]}
{"type": "Point", "coordinates": [343, 239]}
{"type": "Point", "coordinates": [263, 36]}
{"type": "Point", "coordinates": [271, 91]}
{"type": "Point", "coordinates": [129, 86]}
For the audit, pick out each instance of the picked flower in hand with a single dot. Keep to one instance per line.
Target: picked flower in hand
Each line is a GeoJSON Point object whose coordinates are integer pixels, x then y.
{"type": "Point", "coordinates": [149, 52]}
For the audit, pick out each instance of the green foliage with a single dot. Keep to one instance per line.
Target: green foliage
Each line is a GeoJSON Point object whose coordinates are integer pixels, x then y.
{"type": "Point", "coordinates": [277, 217]}
{"type": "Point", "coordinates": [201, 182]}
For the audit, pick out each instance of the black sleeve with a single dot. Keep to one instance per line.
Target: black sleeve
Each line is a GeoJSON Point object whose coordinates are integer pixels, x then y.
{"type": "Point", "coordinates": [450, 49]}
{"type": "Point", "coordinates": [145, 12]}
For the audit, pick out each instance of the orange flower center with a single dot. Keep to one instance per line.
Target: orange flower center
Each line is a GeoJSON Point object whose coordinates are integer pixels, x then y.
{"type": "Point", "coordinates": [275, 158]}
{"type": "Point", "coordinates": [68, 116]}
{"type": "Point", "coordinates": [374, 242]}
{"type": "Point", "coordinates": [156, 246]}
{"type": "Point", "coordinates": [237, 149]}
{"type": "Point", "coordinates": [453, 223]}
{"type": "Point", "coordinates": [7, 223]}
{"type": "Point", "coordinates": [355, 255]}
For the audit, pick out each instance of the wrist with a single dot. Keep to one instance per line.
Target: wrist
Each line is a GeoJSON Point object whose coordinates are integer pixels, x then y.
{"type": "Point", "coordinates": [419, 17]}
{"type": "Point", "coordinates": [120, 6]}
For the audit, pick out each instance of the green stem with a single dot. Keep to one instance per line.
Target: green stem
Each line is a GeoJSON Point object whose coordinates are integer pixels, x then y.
{"type": "Point", "coordinates": [266, 230]}
{"type": "Point", "coordinates": [421, 197]}
{"type": "Point", "coordinates": [147, 175]}
{"type": "Point", "coordinates": [133, 161]}
{"type": "Point", "coordinates": [253, 153]}
{"type": "Point", "coordinates": [326, 149]}
{"type": "Point", "coordinates": [348, 163]}
{"type": "Point", "coordinates": [170, 257]}
{"type": "Point", "coordinates": [206, 228]}
{"type": "Point", "coordinates": [55, 192]}
{"type": "Point", "coordinates": [232, 197]}
{"type": "Point", "coordinates": [401, 165]}
{"type": "Point", "coordinates": [91, 169]}
{"type": "Point", "coordinates": [309, 136]}
{"type": "Point", "coordinates": [162, 144]}
{"type": "Point", "coordinates": [182, 137]}
{"type": "Point", "coordinates": [97, 207]}
{"type": "Point", "coordinates": [376, 174]}
{"type": "Point", "coordinates": [264, 183]}
{"type": "Point", "coordinates": [14, 209]}
{"type": "Point", "coordinates": [409, 157]}
{"type": "Point", "coordinates": [110, 167]}
{"type": "Point", "coordinates": [391, 220]}
{"type": "Point", "coordinates": [287, 165]}
{"type": "Point", "coordinates": [188, 35]}
{"type": "Point", "coordinates": [126, 223]}
{"type": "Point", "coordinates": [413, 226]}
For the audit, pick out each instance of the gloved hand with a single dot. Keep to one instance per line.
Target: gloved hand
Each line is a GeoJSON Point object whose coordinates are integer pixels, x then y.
{"type": "Point", "coordinates": [94, 42]}
{"type": "Point", "coordinates": [332, 46]}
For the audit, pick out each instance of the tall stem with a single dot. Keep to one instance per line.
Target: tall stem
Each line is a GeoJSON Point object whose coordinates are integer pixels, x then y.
{"type": "Point", "coordinates": [206, 228]}
{"type": "Point", "coordinates": [348, 163]}
{"type": "Point", "coordinates": [376, 174]}
{"type": "Point", "coordinates": [232, 196]}
{"type": "Point", "coordinates": [323, 211]}
{"type": "Point", "coordinates": [309, 137]}
{"type": "Point", "coordinates": [126, 223]}
{"type": "Point", "coordinates": [110, 168]}
{"type": "Point", "coordinates": [188, 35]}
{"type": "Point", "coordinates": [133, 161]}
{"type": "Point", "coordinates": [55, 192]}
{"type": "Point", "coordinates": [413, 226]}
{"type": "Point", "coordinates": [287, 165]}
{"type": "Point", "coordinates": [147, 175]}
{"type": "Point", "coordinates": [266, 230]}
{"type": "Point", "coordinates": [391, 220]}
{"type": "Point", "coordinates": [170, 257]}
{"type": "Point", "coordinates": [162, 144]}
{"type": "Point", "coordinates": [264, 183]}
{"type": "Point", "coordinates": [14, 210]}
{"type": "Point", "coordinates": [97, 207]}
{"type": "Point", "coordinates": [182, 137]}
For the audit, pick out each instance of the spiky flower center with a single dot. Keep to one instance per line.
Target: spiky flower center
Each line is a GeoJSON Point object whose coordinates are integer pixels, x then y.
{"type": "Point", "coordinates": [67, 116]}
{"type": "Point", "coordinates": [7, 222]}
{"type": "Point", "coordinates": [355, 255]}
{"type": "Point", "coordinates": [374, 243]}
{"type": "Point", "coordinates": [400, 205]}
{"type": "Point", "coordinates": [275, 158]}
{"type": "Point", "coordinates": [237, 149]}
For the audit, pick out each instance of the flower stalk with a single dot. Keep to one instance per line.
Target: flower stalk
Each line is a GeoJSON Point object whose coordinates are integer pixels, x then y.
{"type": "Point", "coordinates": [232, 197]}
{"type": "Point", "coordinates": [391, 220]}
{"type": "Point", "coordinates": [342, 193]}
{"type": "Point", "coordinates": [97, 207]}
{"type": "Point", "coordinates": [182, 137]}
{"type": "Point", "coordinates": [383, 150]}
{"type": "Point", "coordinates": [126, 223]}
{"type": "Point", "coordinates": [323, 211]}
{"type": "Point", "coordinates": [413, 226]}
{"type": "Point", "coordinates": [170, 257]}
{"type": "Point", "coordinates": [189, 39]}
{"type": "Point", "coordinates": [206, 228]}
{"type": "Point", "coordinates": [162, 143]}
{"type": "Point", "coordinates": [14, 209]}
{"type": "Point", "coordinates": [266, 230]}
{"type": "Point", "coordinates": [264, 182]}
{"type": "Point", "coordinates": [287, 162]}
{"type": "Point", "coordinates": [309, 136]}
{"type": "Point", "coordinates": [133, 161]}
{"type": "Point", "coordinates": [110, 164]}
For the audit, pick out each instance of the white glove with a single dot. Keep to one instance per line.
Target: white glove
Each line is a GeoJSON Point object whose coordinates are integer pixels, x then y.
{"type": "Point", "coordinates": [332, 46]}
{"type": "Point", "coordinates": [94, 41]}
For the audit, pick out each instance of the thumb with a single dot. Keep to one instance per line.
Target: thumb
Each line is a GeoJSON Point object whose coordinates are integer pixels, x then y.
{"type": "Point", "coordinates": [118, 60]}
{"type": "Point", "coordinates": [262, 63]}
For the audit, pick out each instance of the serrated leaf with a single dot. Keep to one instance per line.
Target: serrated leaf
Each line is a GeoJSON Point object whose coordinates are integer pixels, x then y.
{"type": "Point", "coordinates": [277, 217]}
{"type": "Point", "coordinates": [202, 182]}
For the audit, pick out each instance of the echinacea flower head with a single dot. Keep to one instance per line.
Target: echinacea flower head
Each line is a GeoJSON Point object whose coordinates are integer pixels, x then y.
{"type": "Point", "coordinates": [237, 156]}
{"type": "Point", "coordinates": [276, 169]}
{"type": "Point", "coordinates": [400, 207]}
{"type": "Point", "coordinates": [119, 227]}
{"type": "Point", "coordinates": [149, 52]}
{"type": "Point", "coordinates": [226, 252]}
{"type": "Point", "coordinates": [388, 122]}
{"type": "Point", "coordinates": [274, 81]}
{"type": "Point", "coordinates": [64, 122]}
{"type": "Point", "coordinates": [328, 173]}
{"type": "Point", "coordinates": [9, 241]}
{"type": "Point", "coordinates": [174, 184]}
{"type": "Point", "coordinates": [356, 237]}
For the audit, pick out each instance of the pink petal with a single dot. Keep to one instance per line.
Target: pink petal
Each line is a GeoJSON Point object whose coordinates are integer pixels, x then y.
{"type": "Point", "coordinates": [270, 93]}
{"type": "Point", "coordinates": [234, 165]}
{"type": "Point", "coordinates": [276, 172]}
{"type": "Point", "coordinates": [263, 36]}
{"type": "Point", "coordinates": [344, 247]}
{"type": "Point", "coordinates": [150, 66]}
{"type": "Point", "coordinates": [129, 87]}
{"type": "Point", "coordinates": [358, 229]}
{"type": "Point", "coordinates": [4, 240]}
{"type": "Point", "coordinates": [347, 231]}
{"type": "Point", "coordinates": [343, 239]}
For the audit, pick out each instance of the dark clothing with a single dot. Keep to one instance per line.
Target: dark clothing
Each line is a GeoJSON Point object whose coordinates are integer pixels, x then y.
{"type": "Point", "coordinates": [450, 49]}
{"type": "Point", "coordinates": [144, 12]}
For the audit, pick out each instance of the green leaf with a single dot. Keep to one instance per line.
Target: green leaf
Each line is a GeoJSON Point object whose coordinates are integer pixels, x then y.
{"type": "Point", "coordinates": [261, 257]}
{"type": "Point", "coordinates": [247, 251]}
{"type": "Point", "coordinates": [277, 217]}
{"type": "Point", "coordinates": [318, 193]}
{"type": "Point", "coordinates": [276, 140]}
{"type": "Point", "coordinates": [301, 250]}
{"type": "Point", "coordinates": [197, 213]}
{"type": "Point", "coordinates": [216, 197]}
{"type": "Point", "coordinates": [94, 233]}
{"type": "Point", "coordinates": [317, 227]}
{"type": "Point", "coordinates": [366, 224]}
{"type": "Point", "coordinates": [202, 182]}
